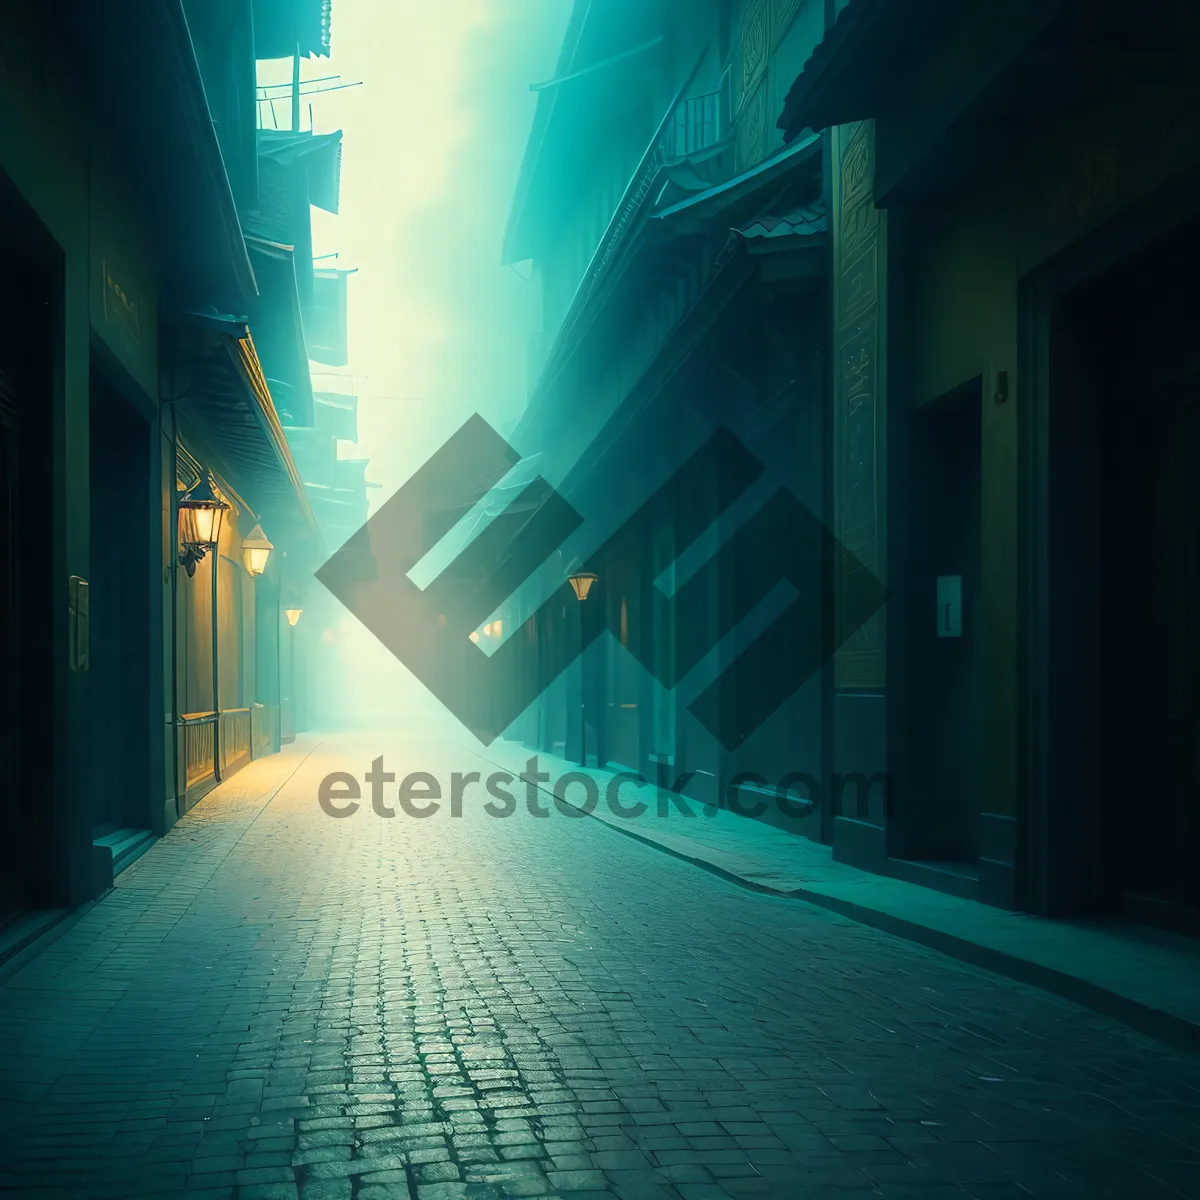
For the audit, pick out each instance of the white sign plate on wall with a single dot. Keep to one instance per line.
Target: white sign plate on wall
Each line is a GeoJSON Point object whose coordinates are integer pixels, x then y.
{"type": "Point", "coordinates": [949, 606]}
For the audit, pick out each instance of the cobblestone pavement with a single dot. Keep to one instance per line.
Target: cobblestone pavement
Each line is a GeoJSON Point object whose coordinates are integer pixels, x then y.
{"type": "Point", "coordinates": [272, 1003]}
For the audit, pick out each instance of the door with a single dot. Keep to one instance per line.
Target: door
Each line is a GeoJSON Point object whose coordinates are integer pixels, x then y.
{"type": "Point", "coordinates": [1179, 564]}
{"type": "Point", "coordinates": [1154, 703]}
{"type": "Point", "coordinates": [120, 587]}
{"type": "Point", "coordinates": [1124, 646]}
{"type": "Point", "coordinates": [943, 636]}
{"type": "Point", "coordinates": [29, 875]}
{"type": "Point", "coordinates": [10, 665]}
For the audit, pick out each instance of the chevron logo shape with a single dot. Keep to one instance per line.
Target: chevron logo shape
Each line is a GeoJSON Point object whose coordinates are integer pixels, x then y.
{"type": "Point", "coordinates": [429, 629]}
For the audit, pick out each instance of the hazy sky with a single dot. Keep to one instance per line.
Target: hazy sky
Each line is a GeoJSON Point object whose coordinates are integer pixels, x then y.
{"type": "Point", "coordinates": [432, 142]}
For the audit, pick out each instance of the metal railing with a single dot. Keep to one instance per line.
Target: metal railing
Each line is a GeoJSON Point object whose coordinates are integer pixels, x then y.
{"type": "Point", "coordinates": [628, 209]}
{"type": "Point", "coordinates": [264, 729]}
{"type": "Point", "coordinates": [235, 737]}
{"type": "Point", "coordinates": [700, 122]}
{"type": "Point", "coordinates": [197, 734]}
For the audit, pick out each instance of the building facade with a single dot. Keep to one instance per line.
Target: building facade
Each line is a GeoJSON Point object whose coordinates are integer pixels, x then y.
{"type": "Point", "coordinates": [930, 265]}
{"type": "Point", "coordinates": [130, 375]}
{"type": "Point", "coordinates": [1029, 241]}
{"type": "Point", "coordinates": [685, 295]}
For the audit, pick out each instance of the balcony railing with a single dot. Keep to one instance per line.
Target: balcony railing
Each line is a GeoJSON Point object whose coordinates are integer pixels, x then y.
{"type": "Point", "coordinates": [634, 198]}
{"type": "Point", "coordinates": [690, 124]}
{"type": "Point", "coordinates": [699, 122]}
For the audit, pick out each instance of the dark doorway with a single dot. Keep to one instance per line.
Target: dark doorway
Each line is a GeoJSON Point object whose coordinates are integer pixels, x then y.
{"type": "Point", "coordinates": [27, 711]}
{"type": "Point", "coordinates": [119, 685]}
{"type": "Point", "coordinates": [1151, 690]}
{"type": "Point", "coordinates": [1150, 598]}
{"type": "Point", "coordinates": [1125, 435]}
{"type": "Point", "coordinates": [942, 627]}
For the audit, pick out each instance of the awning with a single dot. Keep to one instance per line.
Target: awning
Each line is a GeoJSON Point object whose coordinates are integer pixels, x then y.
{"type": "Point", "coordinates": [326, 318]}
{"type": "Point", "coordinates": [282, 26]}
{"type": "Point", "coordinates": [337, 415]}
{"type": "Point", "coordinates": [794, 237]}
{"type": "Point", "coordinates": [714, 199]}
{"type": "Point", "coordinates": [315, 453]}
{"type": "Point", "coordinates": [351, 474]}
{"type": "Point", "coordinates": [319, 153]}
{"type": "Point", "coordinates": [342, 512]}
{"type": "Point", "coordinates": [851, 68]}
{"type": "Point", "coordinates": [227, 414]}
{"type": "Point", "coordinates": [874, 46]}
{"type": "Point", "coordinates": [806, 220]}
{"type": "Point", "coordinates": [279, 327]}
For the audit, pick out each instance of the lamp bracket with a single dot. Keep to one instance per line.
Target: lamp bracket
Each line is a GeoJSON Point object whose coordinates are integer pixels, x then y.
{"type": "Point", "coordinates": [189, 556]}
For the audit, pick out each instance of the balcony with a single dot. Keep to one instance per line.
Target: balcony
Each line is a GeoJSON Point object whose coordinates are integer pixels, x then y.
{"type": "Point", "coordinates": [698, 124]}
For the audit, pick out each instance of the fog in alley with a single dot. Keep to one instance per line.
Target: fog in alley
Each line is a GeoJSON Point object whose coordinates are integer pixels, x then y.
{"type": "Point", "coordinates": [597, 600]}
{"type": "Point", "coordinates": [434, 105]}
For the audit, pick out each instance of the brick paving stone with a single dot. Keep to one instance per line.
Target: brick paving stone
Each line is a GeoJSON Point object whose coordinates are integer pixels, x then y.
{"type": "Point", "coordinates": [272, 1003]}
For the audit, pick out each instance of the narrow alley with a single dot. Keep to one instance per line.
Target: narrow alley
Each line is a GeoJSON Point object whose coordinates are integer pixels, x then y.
{"type": "Point", "coordinates": [422, 426]}
{"type": "Point", "coordinates": [272, 1003]}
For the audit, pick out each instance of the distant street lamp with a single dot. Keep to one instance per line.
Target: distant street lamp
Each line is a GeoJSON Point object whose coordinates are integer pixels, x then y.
{"type": "Point", "coordinates": [256, 549]}
{"type": "Point", "coordinates": [581, 583]}
{"type": "Point", "coordinates": [292, 614]}
{"type": "Point", "coordinates": [200, 515]}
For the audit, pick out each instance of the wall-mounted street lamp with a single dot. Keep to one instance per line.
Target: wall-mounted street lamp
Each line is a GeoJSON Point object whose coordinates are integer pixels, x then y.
{"type": "Point", "coordinates": [200, 515]}
{"type": "Point", "coordinates": [256, 549]}
{"type": "Point", "coordinates": [292, 614]}
{"type": "Point", "coordinates": [581, 584]}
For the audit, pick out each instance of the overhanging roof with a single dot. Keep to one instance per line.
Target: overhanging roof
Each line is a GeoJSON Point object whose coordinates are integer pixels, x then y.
{"type": "Point", "coordinates": [802, 220]}
{"type": "Point", "coordinates": [851, 68]}
{"type": "Point", "coordinates": [315, 452]}
{"type": "Point", "coordinates": [280, 26]}
{"type": "Point", "coordinates": [280, 324]}
{"type": "Point", "coordinates": [225, 409]}
{"type": "Point", "coordinates": [337, 414]}
{"type": "Point", "coordinates": [573, 115]}
{"type": "Point", "coordinates": [326, 317]}
{"type": "Point", "coordinates": [713, 199]}
{"type": "Point", "coordinates": [638, 232]}
{"type": "Point", "coordinates": [874, 45]}
{"type": "Point", "coordinates": [515, 247]}
{"type": "Point", "coordinates": [147, 87]}
{"type": "Point", "coordinates": [321, 155]}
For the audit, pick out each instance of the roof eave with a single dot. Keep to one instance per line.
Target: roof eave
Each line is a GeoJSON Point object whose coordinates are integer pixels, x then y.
{"type": "Point", "coordinates": [810, 102]}
{"type": "Point", "coordinates": [515, 247]}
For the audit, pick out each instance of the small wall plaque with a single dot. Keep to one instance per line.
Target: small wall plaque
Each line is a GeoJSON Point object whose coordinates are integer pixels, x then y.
{"type": "Point", "coordinates": [949, 606]}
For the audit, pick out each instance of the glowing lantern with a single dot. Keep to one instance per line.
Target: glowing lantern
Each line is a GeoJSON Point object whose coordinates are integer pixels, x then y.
{"type": "Point", "coordinates": [200, 515]}
{"type": "Point", "coordinates": [256, 549]}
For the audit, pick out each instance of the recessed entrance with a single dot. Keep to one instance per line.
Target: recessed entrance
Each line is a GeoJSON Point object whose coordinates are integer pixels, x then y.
{"type": "Point", "coordinates": [27, 712]}
{"type": "Point", "coordinates": [121, 568]}
{"type": "Point", "coordinates": [938, 826]}
{"type": "Point", "coordinates": [1124, 638]}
